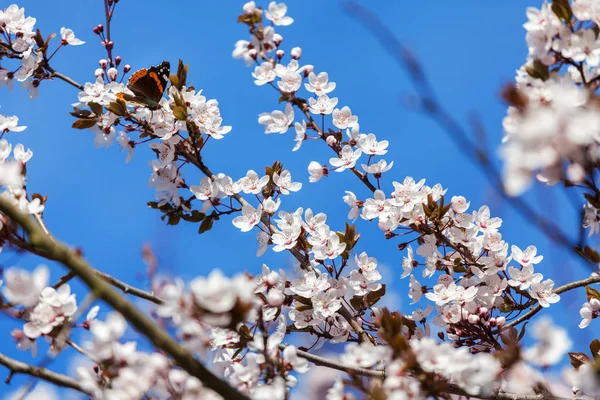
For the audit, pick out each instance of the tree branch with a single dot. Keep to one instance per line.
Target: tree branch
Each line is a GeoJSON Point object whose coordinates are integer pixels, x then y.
{"type": "Point", "coordinates": [18, 367]}
{"type": "Point", "coordinates": [558, 290]}
{"type": "Point", "coordinates": [432, 107]}
{"type": "Point", "coordinates": [101, 289]}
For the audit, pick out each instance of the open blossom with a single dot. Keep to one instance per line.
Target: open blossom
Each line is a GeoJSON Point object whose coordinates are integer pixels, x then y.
{"type": "Point", "coordinates": [68, 37]}
{"type": "Point", "coordinates": [553, 343]}
{"type": "Point", "coordinates": [300, 134]}
{"type": "Point", "coordinates": [526, 257]}
{"type": "Point", "coordinates": [277, 121]}
{"type": "Point", "coordinates": [377, 168]}
{"type": "Point", "coordinates": [264, 73]}
{"type": "Point", "coordinates": [542, 292]}
{"type": "Point", "coordinates": [343, 118]}
{"type": "Point", "coordinates": [54, 308]}
{"type": "Point", "coordinates": [310, 284]}
{"type": "Point", "coordinates": [347, 158]}
{"type": "Point", "coordinates": [10, 124]}
{"type": "Point", "coordinates": [319, 84]}
{"type": "Point", "coordinates": [276, 14]}
{"type": "Point", "coordinates": [350, 199]}
{"type": "Point", "coordinates": [284, 181]}
{"type": "Point", "coordinates": [365, 355]}
{"type": "Point", "coordinates": [322, 105]}
{"type": "Point", "coordinates": [290, 76]}
{"type": "Point", "coordinates": [252, 183]}
{"type": "Point", "coordinates": [23, 287]}
{"type": "Point", "coordinates": [369, 145]}
{"type": "Point", "coordinates": [285, 239]}
{"type": "Point", "coordinates": [326, 304]}
{"type": "Point", "coordinates": [249, 219]}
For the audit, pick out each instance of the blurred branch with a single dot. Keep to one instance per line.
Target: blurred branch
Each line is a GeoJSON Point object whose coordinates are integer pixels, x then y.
{"type": "Point", "coordinates": [431, 106]}
{"type": "Point", "coordinates": [561, 289]}
{"type": "Point", "coordinates": [18, 367]}
{"type": "Point", "coordinates": [101, 289]}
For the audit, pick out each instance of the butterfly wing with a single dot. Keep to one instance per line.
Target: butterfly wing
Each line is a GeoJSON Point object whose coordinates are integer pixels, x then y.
{"type": "Point", "coordinates": [148, 85]}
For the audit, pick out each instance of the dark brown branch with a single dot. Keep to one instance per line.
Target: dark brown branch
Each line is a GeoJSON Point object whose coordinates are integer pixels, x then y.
{"type": "Point", "coordinates": [18, 367]}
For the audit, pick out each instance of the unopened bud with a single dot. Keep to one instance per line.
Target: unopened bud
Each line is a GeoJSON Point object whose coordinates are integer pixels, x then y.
{"type": "Point", "coordinates": [473, 319]}
{"type": "Point", "coordinates": [272, 278]}
{"type": "Point", "coordinates": [277, 39]}
{"type": "Point", "coordinates": [500, 321]}
{"type": "Point", "coordinates": [307, 70]}
{"type": "Point", "coordinates": [252, 53]}
{"type": "Point", "coordinates": [280, 53]}
{"type": "Point", "coordinates": [118, 60]}
{"type": "Point", "coordinates": [331, 140]}
{"type": "Point", "coordinates": [127, 68]}
{"type": "Point", "coordinates": [99, 72]}
{"type": "Point", "coordinates": [441, 335]}
{"type": "Point", "coordinates": [275, 298]}
{"type": "Point", "coordinates": [109, 45]}
{"type": "Point", "coordinates": [103, 63]}
{"type": "Point", "coordinates": [296, 53]}
{"type": "Point", "coordinates": [98, 29]}
{"type": "Point", "coordinates": [112, 74]}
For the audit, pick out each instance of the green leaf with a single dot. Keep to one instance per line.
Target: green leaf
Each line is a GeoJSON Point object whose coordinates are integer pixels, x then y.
{"type": "Point", "coordinates": [84, 123]}
{"type": "Point", "coordinates": [180, 113]}
{"type": "Point", "coordinates": [373, 297]}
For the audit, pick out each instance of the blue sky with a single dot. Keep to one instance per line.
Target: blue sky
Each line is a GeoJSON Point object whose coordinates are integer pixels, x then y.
{"type": "Point", "coordinates": [97, 202]}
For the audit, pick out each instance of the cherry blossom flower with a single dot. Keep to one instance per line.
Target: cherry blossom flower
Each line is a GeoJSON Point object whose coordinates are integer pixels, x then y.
{"type": "Point", "coordinates": [276, 14]}
{"type": "Point", "coordinates": [365, 355]}
{"type": "Point", "coordinates": [249, 219]}
{"type": "Point", "coordinates": [284, 181]}
{"type": "Point", "coordinates": [316, 171]}
{"type": "Point", "coordinates": [264, 73]}
{"type": "Point", "coordinates": [524, 277]}
{"type": "Point", "coordinates": [526, 257]}
{"type": "Point", "coordinates": [319, 84]}
{"type": "Point", "coordinates": [553, 343]}
{"type": "Point", "coordinates": [347, 159]}
{"type": "Point", "coordinates": [589, 311]}
{"type": "Point", "coordinates": [23, 287]}
{"type": "Point", "coordinates": [68, 37]}
{"type": "Point", "coordinates": [326, 304]}
{"type": "Point", "coordinates": [378, 168]}
{"type": "Point", "coordinates": [369, 145]}
{"type": "Point", "coordinates": [309, 285]}
{"type": "Point", "coordinates": [277, 121]}
{"type": "Point", "coordinates": [542, 292]}
{"type": "Point", "coordinates": [323, 105]}
{"type": "Point", "coordinates": [343, 118]}
{"type": "Point", "coordinates": [251, 183]}
{"type": "Point", "coordinates": [9, 124]}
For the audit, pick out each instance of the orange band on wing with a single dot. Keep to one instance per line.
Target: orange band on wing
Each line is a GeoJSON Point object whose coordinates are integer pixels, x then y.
{"type": "Point", "coordinates": [135, 77]}
{"type": "Point", "coordinates": [158, 82]}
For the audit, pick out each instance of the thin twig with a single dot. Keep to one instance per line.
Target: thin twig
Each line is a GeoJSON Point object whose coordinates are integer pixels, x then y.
{"type": "Point", "coordinates": [456, 132]}
{"type": "Point", "coordinates": [18, 367]}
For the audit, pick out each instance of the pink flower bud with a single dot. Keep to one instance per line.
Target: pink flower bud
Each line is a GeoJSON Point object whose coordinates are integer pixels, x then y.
{"type": "Point", "coordinates": [109, 45]}
{"type": "Point", "coordinates": [277, 39]}
{"type": "Point", "coordinates": [296, 53]}
{"type": "Point", "coordinates": [252, 53]}
{"type": "Point", "coordinates": [331, 141]}
{"type": "Point", "coordinates": [112, 74]}
{"type": "Point", "coordinates": [99, 72]}
{"type": "Point", "coordinates": [308, 69]}
{"type": "Point", "coordinates": [500, 321]}
{"type": "Point", "coordinates": [272, 279]}
{"type": "Point", "coordinates": [103, 63]}
{"type": "Point", "coordinates": [473, 319]}
{"type": "Point", "coordinates": [126, 68]}
{"type": "Point", "coordinates": [280, 53]}
{"type": "Point", "coordinates": [118, 60]}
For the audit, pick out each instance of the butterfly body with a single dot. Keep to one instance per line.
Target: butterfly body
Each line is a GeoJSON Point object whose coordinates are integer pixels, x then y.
{"type": "Point", "coordinates": [148, 85]}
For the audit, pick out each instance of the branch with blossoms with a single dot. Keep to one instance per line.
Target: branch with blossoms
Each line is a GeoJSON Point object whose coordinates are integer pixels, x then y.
{"type": "Point", "coordinates": [241, 323]}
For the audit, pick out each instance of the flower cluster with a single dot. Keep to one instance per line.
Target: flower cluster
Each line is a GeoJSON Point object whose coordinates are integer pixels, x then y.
{"type": "Point", "coordinates": [20, 41]}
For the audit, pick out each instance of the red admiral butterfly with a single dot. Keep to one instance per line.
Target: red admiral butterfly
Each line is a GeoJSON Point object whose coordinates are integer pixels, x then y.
{"type": "Point", "coordinates": [148, 85]}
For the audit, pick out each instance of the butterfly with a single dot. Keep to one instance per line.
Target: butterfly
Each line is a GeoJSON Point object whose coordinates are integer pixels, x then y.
{"type": "Point", "coordinates": [148, 85]}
